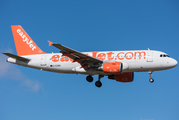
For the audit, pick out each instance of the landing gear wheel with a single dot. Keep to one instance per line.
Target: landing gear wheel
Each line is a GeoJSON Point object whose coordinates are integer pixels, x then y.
{"type": "Point", "coordinates": [98, 84]}
{"type": "Point", "coordinates": [89, 78]}
{"type": "Point", "coordinates": [151, 80]}
{"type": "Point", "coordinates": [150, 75]}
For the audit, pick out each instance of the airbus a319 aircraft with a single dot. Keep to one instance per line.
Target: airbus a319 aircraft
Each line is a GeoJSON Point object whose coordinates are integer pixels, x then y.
{"type": "Point", "coordinates": [117, 65]}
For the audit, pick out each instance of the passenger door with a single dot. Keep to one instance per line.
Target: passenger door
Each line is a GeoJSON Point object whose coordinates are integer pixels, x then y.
{"type": "Point", "coordinates": [149, 56]}
{"type": "Point", "coordinates": [43, 60]}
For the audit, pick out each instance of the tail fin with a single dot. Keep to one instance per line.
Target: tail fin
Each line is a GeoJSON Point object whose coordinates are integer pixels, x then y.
{"type": "Point", "coordinates": [24, 44]}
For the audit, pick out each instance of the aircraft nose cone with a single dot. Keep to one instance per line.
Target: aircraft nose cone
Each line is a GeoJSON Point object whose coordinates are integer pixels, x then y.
{"type": "Point", "coordinates": [174, 63]}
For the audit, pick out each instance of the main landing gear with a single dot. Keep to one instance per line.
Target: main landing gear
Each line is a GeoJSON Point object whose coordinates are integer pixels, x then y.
{"type": "Point", "coordinates": [150, 75]}
{"type": "Point", "coordinates": [89, 78]}
{"type": "Point", "coordinates": [98, 83]}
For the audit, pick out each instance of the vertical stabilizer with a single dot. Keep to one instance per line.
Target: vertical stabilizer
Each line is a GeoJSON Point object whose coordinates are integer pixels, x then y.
{"type": "Point", "coordinates": [24, 44]}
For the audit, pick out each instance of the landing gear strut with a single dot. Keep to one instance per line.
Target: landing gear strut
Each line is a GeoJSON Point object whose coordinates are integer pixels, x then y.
{"type": "Point", "coordinates": [150, 75]}
{"type": "Point", "coordinates": [98, 83]}
{"type": "Point", "coordinates": [89, 78]}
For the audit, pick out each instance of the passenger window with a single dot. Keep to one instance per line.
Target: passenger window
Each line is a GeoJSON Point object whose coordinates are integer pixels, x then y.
{"type": "Point", "coordinates": [161, 55]}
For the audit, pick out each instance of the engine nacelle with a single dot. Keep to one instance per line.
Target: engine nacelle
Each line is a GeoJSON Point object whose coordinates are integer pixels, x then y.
{"type": "Point", "coordinates": [123, 77]}
{"type": "Point", "coordinates": [113, 67]}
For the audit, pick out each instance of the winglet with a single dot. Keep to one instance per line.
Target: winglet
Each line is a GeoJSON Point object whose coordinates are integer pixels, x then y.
{"type": "Point", "coordinates": [50, 43]}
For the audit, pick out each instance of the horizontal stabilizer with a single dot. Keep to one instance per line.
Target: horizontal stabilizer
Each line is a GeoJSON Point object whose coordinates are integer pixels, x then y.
{"type": "Point", "coordinates": [17, 57]}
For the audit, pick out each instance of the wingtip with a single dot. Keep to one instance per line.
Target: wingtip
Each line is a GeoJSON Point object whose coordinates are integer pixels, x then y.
{"type": "Point", "coordinates": [4, 53]}
{"type": "Point", "coordinates": [50, 43]}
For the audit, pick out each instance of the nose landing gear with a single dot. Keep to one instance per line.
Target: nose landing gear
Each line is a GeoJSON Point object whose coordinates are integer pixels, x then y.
{"type": "Point", "coordinates": [150, 75]}
{"type": "Point", "coordinates": [151, 80]}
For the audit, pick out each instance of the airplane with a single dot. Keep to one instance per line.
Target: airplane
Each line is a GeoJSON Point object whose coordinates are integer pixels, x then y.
{"type": "Point", "coordinates": [116, 65]}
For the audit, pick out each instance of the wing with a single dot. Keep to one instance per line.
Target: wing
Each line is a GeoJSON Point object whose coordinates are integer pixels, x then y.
{"type": "Point", "coordinates": [83, 59]}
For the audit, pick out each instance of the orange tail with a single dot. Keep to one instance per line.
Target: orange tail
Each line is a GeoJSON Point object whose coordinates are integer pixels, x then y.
{"type": "Point", "coordinates": [24, 44]}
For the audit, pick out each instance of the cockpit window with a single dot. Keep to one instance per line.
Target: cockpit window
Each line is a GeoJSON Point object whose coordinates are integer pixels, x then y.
{"type": "Point", "coordinates": [164, 55]}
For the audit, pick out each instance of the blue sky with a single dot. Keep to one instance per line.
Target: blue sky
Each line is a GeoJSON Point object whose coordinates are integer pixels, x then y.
{"type": "Point", "coordinates": [95, 25]}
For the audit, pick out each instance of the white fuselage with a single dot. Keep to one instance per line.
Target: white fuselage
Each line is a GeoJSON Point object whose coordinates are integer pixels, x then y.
{"type": "Point", "coordinates": [133, 61]}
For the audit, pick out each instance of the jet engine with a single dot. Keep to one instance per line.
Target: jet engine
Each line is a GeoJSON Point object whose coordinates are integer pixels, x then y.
{"type": "Point", "coordinates": [123, 77]}
{"type": "Point", "coordinates": [113, 67]}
